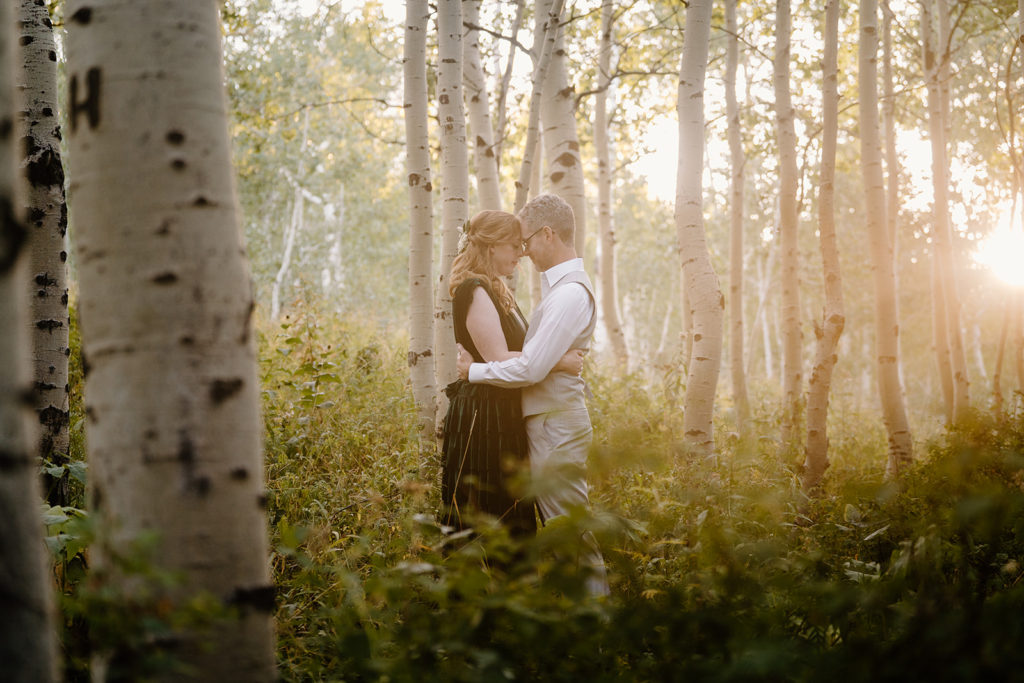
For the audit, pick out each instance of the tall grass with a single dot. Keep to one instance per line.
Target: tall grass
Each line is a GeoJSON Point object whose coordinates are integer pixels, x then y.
{"type": "Point", "coordinates": [720, 571]}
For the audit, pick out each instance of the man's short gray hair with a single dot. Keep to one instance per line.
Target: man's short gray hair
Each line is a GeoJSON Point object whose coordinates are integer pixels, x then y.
{"type": "Point", "coordinates": [551, 210]}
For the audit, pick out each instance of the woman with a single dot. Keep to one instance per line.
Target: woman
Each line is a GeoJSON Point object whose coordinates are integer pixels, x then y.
{"type": "Point", "coordinates": [484, 437]}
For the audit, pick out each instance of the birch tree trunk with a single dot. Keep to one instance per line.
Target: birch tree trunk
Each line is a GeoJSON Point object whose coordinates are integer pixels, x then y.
{"type": "Point", "coordinates": [947, 300]}
{"type": "Point", "coordinates": [172, 400]}
{"type": "Point", "coordinates": [544, 46]}
{"type": "Point", "coordinates": [44, 208]}
{"type": "Point", "coordinates": [455, 181]}
{"type": "Point", "coordinates": [535, 189]}
{"type": "Point", "coordinates": [736, 214]}
{"type": "Point", "coordinates": [293, 229]}
{"type": "Point", "coordinates": [894, 412]}
{"type": "Point", "coordinates": [562, 144]}
{"type": "Point", "coordinates": [892, 163]}
{"type": "Point", "coordinates": [701, 281]}
{"type": "Point", "coordinates": [606, 219]}
{"type": "Point", "coordinates": [28, 647]}
{"type": "Point", "coordinates": [421, 216]}
{"type": "Point", "coordinates": [997, 373]}
{"type": "Point", "coordinates": [833, 318]}
{"type": "Point", "coordinates": [478, 109]}
{"type": "Point", "coordinates": [506, 79]}
{"type": "Point", "coordinates": [792, 364]}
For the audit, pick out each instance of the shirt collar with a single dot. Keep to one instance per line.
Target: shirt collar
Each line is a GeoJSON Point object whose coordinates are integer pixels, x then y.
{"type": "Point", "coordinates": [551, 276]}
{"type": "Point", "coordinates": [555, 273]}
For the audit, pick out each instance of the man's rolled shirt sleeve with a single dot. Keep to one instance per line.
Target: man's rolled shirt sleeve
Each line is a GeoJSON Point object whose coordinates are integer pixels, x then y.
{"type": "Point", "coordinates": [569, 312]}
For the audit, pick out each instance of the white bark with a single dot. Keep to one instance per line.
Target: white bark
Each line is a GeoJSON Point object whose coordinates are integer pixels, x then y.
{"type": "Point", "coordinates": [421, 216]}
{"type": "Point", "coordinates": [544, 46]}
{"type": "Point", "coordinates": [28, 647]}
{"type": "Point", "coordinates": [561, 142]}
{"type": "Point", "coordinates": [455, 181]}
{"type": "Point", "coordinates": [736, 215]}
{"type": "Point", "coordinates": [833, 317]}
{"type": "Point", "coordinates": [294, 227]}
{"type": "Point", "coordinates": [946, 295]}
{"type": "Point", "coordinates": [892, 163]}
{"type": "Point", "coordinates": [792, 362]}
{"type": "Point", "coordinates": [506, 79]}
{"type": "Point", "coordinates": [701, 281]}
{"type": "Point", "coordinates": [535, 189]}
{"type": "Point", "coordinates": [172, 399]}
{"type": "Point", "coordinates": [894, 412]}
{"type": "Point", "coordinates": [44, 208]}
{"type": "Point", "coordinates": [478, 110]}
{"type": "Point", "coordinates": [606, 218]}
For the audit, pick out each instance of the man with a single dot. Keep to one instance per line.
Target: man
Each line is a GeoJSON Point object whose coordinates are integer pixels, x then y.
{"type": "Point", "coordinates": [558, 426]}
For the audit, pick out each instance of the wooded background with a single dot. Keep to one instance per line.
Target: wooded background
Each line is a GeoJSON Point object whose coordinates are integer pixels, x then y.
{"type": "Point", "coordinates": [803, 219]}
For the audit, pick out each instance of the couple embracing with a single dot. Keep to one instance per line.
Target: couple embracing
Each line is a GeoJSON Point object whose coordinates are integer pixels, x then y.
{"type": "Point", "coordinates": [519, 403]}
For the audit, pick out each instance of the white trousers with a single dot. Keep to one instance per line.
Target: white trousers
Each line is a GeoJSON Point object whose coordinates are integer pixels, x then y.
{"type": "Point", "coordinates": [559, 442]}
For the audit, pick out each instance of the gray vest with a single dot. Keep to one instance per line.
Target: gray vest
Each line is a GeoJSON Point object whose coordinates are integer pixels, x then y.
{"type": "Point", "coordinates": [559, 390]}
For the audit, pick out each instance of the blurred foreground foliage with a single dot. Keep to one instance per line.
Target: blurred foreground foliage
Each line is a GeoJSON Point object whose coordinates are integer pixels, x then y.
{"type": "Point", "coordinates": [720, 572]}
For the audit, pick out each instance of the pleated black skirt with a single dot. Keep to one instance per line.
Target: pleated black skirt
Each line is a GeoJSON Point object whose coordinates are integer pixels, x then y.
{"type": "Point", "coordinates": [484, 451]}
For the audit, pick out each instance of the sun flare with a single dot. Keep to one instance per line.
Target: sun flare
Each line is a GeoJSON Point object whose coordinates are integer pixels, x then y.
{"type": "Point", "coordinates": [1002, 252]}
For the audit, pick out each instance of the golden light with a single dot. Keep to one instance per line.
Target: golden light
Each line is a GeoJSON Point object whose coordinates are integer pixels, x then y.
{"type": "Point", "coordinates": [1002, 252]}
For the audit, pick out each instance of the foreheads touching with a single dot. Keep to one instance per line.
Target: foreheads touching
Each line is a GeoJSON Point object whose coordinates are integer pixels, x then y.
{"type": "Point", "coordinates": [489, 228]}
{"type": "Point", "coordinates": [550, 210]}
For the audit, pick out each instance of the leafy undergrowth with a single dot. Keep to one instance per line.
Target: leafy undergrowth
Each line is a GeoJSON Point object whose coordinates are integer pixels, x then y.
{"type": "Point", "coordinates": [720, 571]}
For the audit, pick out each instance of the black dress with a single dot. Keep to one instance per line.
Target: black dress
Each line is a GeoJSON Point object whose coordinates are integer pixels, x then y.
{"type": "Point", "coordinates": [484, 436]}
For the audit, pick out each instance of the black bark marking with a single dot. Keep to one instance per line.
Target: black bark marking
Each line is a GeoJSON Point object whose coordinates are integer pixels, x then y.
{"type": "Point", "coordinates": [187, 341]}
{"type": "Point", "coordinates": [223, 389]}
{"type": "Point", "coordinates": [186, 450]}
{"type": "Point", "coordinates": [52, 56]}
{"type": "Point", "coordinates": [98, 498]}
{"type": "Point", "coordinates": [175, 137]}
{"type": "Point", "coordinates": [202, 201]}
{"type": "Point", "coordinates": [44, 280]}
{"type": "Point", "coordinates": [64, 297]}
{"type": "Point", "coordinates": [26, 40]}
{"type": "Point", "coordinates": [45, 169]}
{"type": "Point", "coordinates": [36, 216]}
{"type": "Point", "coordinates": [6, 126]}
{"type": "Point", "coordinates": [414, 357]}
{"type": "Point", "coordinates": [260, 598]}
{"type": "Point", "coordinates": [239, 474]}
{"type": "Point", "coordinates": [43, 386]}
{"type": "Point", "coordinates": [49, 325]}
{"type": "Point", "coordinates": [262, 501]}
{"type": "Point", "coordinates": [54, 418]}
{"type": "Point", "coordinates": [247, 324]}
{"type": "Point", "coordinates": [165, 279]}
{"type": "Point", "coordinates": [12, 236]}
{"type": "Point", "coordinates": [90, 106]}
{"type": "Point", "coordinates": [90, 413]}
{"type": "Point", "coordinates": [178, 164]}
{"type": "Point", "coordinates": [41, 294]}
{"type": "Point", "coordinates": [82, 16]}
{"type": "Point", "coordinates": [10, 461]}
{"type": "Point", "coordinates": [201, 485]}
{"type": "Point", "coordinates": [47, 111]}
{"type": "Point", "coordinates": [566, 159]}
{"type": "Point", "coordinates": [63, 256]}
{"type": "Point", "coordinates": [62, 222]}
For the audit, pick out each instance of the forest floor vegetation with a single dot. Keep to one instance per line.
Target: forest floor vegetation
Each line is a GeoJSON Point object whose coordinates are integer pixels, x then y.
{"type": "Point", "coordinates": [720, 571]}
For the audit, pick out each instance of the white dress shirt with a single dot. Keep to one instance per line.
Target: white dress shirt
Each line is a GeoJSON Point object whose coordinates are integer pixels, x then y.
{"type": "Point", "coordinates": [568, 312]}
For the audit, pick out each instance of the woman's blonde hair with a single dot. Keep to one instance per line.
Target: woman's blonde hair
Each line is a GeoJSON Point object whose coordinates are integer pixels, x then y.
{"type": "Point", "coordinates": [483, 231]}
